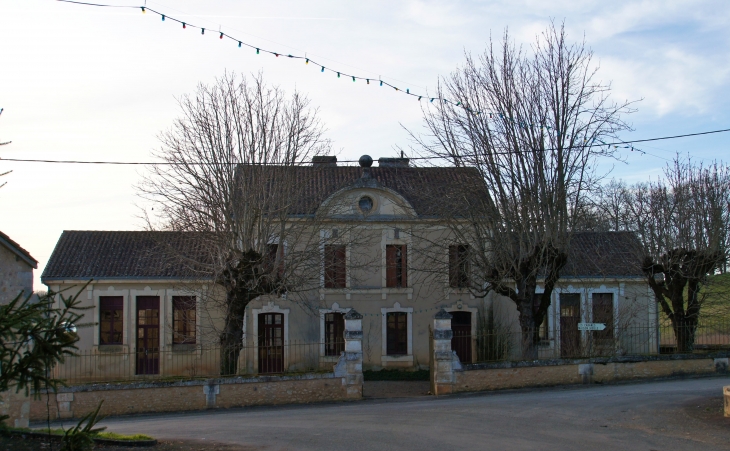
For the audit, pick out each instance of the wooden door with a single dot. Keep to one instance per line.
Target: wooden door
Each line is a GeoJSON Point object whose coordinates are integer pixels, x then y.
{"type": "Point", "coordinates": [461, 341]}
{"type": "Point", "coordinates": [271, 343]}
{"type": "Point", "coordinates": [334, 333]}
{"type": "Point", "coordinates": [569, 319]}
{"type": "Point", "coordinates": [148, 335]}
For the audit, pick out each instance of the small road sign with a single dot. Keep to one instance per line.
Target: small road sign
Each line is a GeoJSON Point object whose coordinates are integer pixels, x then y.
{"type": "Point", "coordinates": [591, 326]}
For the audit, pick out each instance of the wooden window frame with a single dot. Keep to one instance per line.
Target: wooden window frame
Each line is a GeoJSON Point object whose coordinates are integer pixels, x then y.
{"type": "Point", "coordinates": [274, 259]}
{"type": "Point", "coordinates": [396, 266]}
{"type": "Point", "coordinates": [111, 304]}
{"type": "Point", "coordinates": [394, 345]}
{"type": "Point", "coordinates": [335, 266]}
{"type": "Point", "coordinates": [184, 329]}
{"type": "Point", "coordinates": [459, 267]}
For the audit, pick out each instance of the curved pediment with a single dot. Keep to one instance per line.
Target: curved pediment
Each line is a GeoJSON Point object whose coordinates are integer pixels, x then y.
{"type": "Point", "coordinates": [369, 201]}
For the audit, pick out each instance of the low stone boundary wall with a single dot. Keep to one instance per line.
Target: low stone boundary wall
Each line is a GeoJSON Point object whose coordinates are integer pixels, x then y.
{"type": "Point", "coordinates": [151, 397]}
{"type": "Point", "coordinates": [497, 376]}
{"type": "Point", "coordinates": [344, 383]}
{"type": "Point", "coordinates": [449, 375]}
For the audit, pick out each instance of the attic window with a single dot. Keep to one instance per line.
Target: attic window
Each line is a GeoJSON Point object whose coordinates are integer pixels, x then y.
{"type": "Point", "coordinates": [366, 204]}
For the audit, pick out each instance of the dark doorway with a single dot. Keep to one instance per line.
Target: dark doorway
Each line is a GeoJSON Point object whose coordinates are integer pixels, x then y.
{"type": "Point", "coordinates": [271, 343]}
{"type": "Point", "coordinates": [148, 335]}
{"type": "Point", "coordinates": [334, 333]}
{"type": "Point", "coordinates": [569, 319]}
{"type": "Point", "coordinates": [461, 341]}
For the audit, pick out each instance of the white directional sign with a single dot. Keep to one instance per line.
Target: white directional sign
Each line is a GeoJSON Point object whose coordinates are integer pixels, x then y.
{"type": "Point", "coordinates": [591, 326]}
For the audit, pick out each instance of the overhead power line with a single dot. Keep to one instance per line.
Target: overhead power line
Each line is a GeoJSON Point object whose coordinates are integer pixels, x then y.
{"type": "Point", "coordinates": [163, 163]}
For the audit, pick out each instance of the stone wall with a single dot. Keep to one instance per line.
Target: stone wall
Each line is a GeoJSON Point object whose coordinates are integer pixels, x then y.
{"type": "Point", "coordinates": [157, 397]}
{"type": "Point", "coordinates": [565, 372]}
{"type": "Point", "coordinates": [345, 383]}
{"type": "Point", "coordinates": [448, 375]}
{"type": "Point", "coordinates": [15, 276]}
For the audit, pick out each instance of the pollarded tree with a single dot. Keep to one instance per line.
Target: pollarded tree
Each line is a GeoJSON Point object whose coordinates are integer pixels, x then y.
{"type": "Point", "coordinates": [230, 174]}
{"type": "Point", "coordinates": [532, 123]}
{"type": "Point", "coordinates": [682, 221]}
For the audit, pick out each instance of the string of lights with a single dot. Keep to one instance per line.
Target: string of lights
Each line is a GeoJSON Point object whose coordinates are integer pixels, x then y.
{"type": "Point", "coordinates": [617, 144]}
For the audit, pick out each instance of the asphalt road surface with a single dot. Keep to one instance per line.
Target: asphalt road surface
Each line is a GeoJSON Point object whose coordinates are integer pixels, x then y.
{"type": "Point", "coordinates": [669, 415]}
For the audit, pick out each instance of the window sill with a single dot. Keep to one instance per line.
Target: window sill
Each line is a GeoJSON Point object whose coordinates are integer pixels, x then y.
{"type": "Point", "coordinates": [184, 347]}
{"type": "Point", "coordinates": [397, 358]}
{"type": "Point", "coordinates": [111, 349]}
{"type": "Point", "coordinates": [383, 291]}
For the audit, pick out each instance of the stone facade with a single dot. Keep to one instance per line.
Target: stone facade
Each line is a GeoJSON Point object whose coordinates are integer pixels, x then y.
{"type": "Point", "coordinates": [16, 270]}
{"type": "Point", "coordinates": [450, 376]}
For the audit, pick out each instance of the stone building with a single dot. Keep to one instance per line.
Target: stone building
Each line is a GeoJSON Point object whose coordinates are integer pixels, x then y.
{"type": "Point", "coordinates": [381, 252]}
{"type": "Point", "coordinates": [16, 269]}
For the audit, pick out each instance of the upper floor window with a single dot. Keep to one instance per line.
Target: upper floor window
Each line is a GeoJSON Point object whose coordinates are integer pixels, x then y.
{"type": "Point", "coordinates": [395, 266]}
{"type": "Point", "coordinates": [274, 259]}
{"type": "Point", "coordinates": [335, 266]}
{"type": "Point", "coordinates": [459, 266]}
{"type": "Point", "coordinates": [183, 320]}
{"type": "Point", "coordinates": [111, 320]}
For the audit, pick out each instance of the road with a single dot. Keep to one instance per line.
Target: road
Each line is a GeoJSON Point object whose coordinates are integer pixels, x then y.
{"type": "Point", "coordinates": [669, 415]}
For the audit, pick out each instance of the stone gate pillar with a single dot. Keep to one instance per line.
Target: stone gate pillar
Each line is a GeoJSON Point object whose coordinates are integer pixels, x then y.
{"type": "Point", "coordinates": [353, 354]}
{"type": "Point", "coordinates": [442, 375]}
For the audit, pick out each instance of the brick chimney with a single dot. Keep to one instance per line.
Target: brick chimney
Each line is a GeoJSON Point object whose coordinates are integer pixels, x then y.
{"type": "Point", "coordinates": [324, 161]}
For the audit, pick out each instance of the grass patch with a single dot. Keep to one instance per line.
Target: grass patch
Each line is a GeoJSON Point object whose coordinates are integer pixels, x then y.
{"type": "Point", "coordinates": [114, 436]}
{"type": "Point", "coordinates": [103, 435]}
{"type": "Point", "coordinates": [396, 375]}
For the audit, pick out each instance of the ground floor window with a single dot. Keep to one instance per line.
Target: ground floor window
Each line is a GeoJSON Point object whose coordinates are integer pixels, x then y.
{"type": "Point", "coordinates": [334, 331]}
{"type": "Point", "coordinates": [111, 320]}
{"type": "Point", "coordinates": [397, 333]}
{"type": "Point", "coordinates": [183, 320]}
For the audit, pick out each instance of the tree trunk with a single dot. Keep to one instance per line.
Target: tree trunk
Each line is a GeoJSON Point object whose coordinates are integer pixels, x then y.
{"type": "Point", "coordinates": [529, 333]}
{"type": "Point", "coordinates": [231, 338]}
{"type": "Point", "coordinates": [684, 331]}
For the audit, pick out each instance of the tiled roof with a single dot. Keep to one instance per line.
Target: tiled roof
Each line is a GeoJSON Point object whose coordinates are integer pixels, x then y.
{"type": "Point", "coordinates": [427, 189]}
{"type": "Point", "coordinates": [82, 255]}
{"type": "Point", "coordinates": [603, 254]}
{"type": "Point", "coordinates": [17, 250]}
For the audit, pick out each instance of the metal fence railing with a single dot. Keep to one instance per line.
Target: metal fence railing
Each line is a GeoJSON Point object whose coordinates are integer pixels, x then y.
{"type": "Point", "coordinates": [119, 363]}
{"type": "Point", "coordinates": [571, 342]}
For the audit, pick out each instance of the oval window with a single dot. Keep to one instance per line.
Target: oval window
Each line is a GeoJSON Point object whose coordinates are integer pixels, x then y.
{"type": "Point", "coordinates": [366, 204]}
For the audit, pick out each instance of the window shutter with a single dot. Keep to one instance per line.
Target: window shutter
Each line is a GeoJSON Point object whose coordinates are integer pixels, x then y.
{"type": "Point", "coordinates": [453, 266]}
{"type": "Point", "coordinates": [390, 280]}
{"type": "Point", "coordinates": [404, 281]}
{"type": "Point", "coordinates": [341, 266]}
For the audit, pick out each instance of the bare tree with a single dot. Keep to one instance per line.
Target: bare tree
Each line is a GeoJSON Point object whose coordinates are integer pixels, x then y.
{"type": "Point", "coordinates": [230, 174]}
{"type": "Point", "coordinates": [532, 124]}
{"type": "Point", "coordinates": [682, 220]}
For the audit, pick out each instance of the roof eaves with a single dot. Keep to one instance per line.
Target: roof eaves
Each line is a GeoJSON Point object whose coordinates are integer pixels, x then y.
{"type": "Point", "coordinates": [17, 250]}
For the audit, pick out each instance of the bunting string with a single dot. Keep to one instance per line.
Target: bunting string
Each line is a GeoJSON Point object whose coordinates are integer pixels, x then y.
{"type": "Point", "coordinates": [489, 115]}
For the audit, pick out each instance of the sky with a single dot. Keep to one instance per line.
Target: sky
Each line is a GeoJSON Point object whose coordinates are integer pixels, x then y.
{"type": "Point", "coordinates": [89, 83]}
